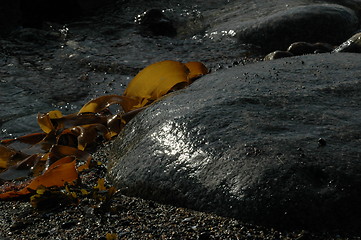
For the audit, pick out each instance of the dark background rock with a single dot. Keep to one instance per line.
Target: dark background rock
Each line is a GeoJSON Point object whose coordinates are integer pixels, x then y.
{"type": "Point", "coordinates": [313, 23]}
{"type": "Point", "coordinates": [245, 143]}
{"type": "Point", "coordinates": [154, 22]}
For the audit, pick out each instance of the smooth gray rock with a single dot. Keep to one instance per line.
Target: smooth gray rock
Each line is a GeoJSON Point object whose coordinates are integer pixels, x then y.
{"type": "Point", "coordinates": [275, 143]}
{"type": "Point", "coordinates": [329, 23]}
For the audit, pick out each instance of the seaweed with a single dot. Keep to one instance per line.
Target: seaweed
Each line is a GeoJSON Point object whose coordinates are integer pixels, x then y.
{"type": "Point", "coordinates": [36, 164]}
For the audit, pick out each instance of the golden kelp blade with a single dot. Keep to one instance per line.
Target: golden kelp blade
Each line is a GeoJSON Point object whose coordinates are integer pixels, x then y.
{"type": "Point", "coordinates": [60, 151]}
{"type": "Point", "coordinates": [28, 144]}
{"type": "Point", "coordinates": [66, 136]}
{"type": "Point", "coordinates": [101, 185]}
{"type": "Point", "coordinates": [88, 133]}
{"type": "Point", "coordinates": [62, 171]}
{"type": "Point", "coordinates": [5, 156]}
{"type": "Point", "coordinates": [196, 70]}
{"type": "Point", "coordinates": [155, 81]}
{"type": "Point", "coordinates": [44, 120]}
{"type": "Point", "coordinates": [30, 139]}
{"type": "Point", "coordinates": [100, 103]}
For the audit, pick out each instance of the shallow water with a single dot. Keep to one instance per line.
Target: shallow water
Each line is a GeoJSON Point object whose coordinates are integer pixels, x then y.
{"type": "Point", "coordinates": [64, 66]}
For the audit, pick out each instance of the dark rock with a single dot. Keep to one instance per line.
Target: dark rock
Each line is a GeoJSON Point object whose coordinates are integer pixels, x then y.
{"type": "Point", "coordinates": [278, 54]}
{"type": "Point", "coordinates": [353, 44]}
{"type": "Point", "coordinates": [18, 225]}
{"type": "Point", "coordinates": [205, 236]}
{"type": "Point", "coordinates": [243, 142]}
{"type": "Point", "coordinates": [154, 22]}
{"type": "Point", "coordinates": [68, 225]}
{"type": "Point", "coordinates": [321, 142]}
{"type": "Point", "coordinates": [313, 23]}
{"type": "Point", "coordinates": [301, 48]}
{"type": "Point", "coordinates": [323, 47]}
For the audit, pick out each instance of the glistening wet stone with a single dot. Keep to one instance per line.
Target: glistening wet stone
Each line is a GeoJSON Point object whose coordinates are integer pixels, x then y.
{"type": "Point", "coordinates": [244, 142]}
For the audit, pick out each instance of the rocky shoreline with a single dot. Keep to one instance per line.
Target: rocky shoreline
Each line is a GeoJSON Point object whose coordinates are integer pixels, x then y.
{"type": "Point", "coordinates": [134, 218]}
{"type": "Point", "coordinates": [125, 217]}
{"type": "Point", "coordinates": [82, 63]}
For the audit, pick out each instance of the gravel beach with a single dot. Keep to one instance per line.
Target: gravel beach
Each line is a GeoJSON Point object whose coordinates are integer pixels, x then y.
{"type": "Point", "coordinates": [122, 217]}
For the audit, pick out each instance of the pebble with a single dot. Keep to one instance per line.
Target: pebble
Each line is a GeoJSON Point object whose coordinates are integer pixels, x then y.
{"type": "Point", "coordinates": [300, 48]}
{"type": "Point", "coordinates": [277, 54]}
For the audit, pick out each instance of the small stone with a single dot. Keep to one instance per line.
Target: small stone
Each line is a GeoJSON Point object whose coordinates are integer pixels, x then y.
{"type": "Point", "coordinates": [204, 236]}
{"type": "Point", "coordinates": [68, 225]}
{"type": "Point", "coordinates": [323, 47]}
{"type": "Point", "coordinates": [18, 225]}
{"type": "Point", "coordinates": [156, 23]}
{"type": "Point", "coordinates": [301, 48]}
{"type": "Point", "coordinates": [277, 54]}
{"type": "Point", "coordinates": [321, 142]}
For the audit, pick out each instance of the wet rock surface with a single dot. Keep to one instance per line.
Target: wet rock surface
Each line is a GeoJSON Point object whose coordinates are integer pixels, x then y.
{"type": "Point", "coordinates": [274, 143]}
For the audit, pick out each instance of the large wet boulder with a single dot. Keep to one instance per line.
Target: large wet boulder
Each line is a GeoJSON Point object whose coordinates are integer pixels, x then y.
{"type": "Point", "coordinates": [329, 23]}
{"type": "Point", "coordinates": [274, 143]}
